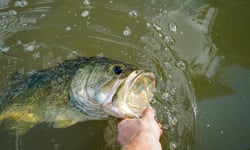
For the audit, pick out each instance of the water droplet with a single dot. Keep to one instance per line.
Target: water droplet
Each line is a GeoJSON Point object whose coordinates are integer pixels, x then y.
{"type": "Point", "coordinates": [221, 132]}
{"type": "Point", "coordinates": [157, 27]}
{"type": "Point", "coordinates": [170, 76]}
{"type": "Point", "coordinates": [167, 65]}
{"type": "Point", "coordinates": [174, 121]}
{"type": "Point", "coordinates": [148, 24]}
{"type": "Point", "coordinates": [173, 91]}
{"type": "Point", "coordinates": [73, 54]}
{"type": "Point", "coordinates": [12, 12]}
{"type": "Point", "coordinates": [133, 13]}
{"type": "Point", "coordinates": [160, 35]}
{"type": "Point", "coordinates": [86, 2]}
{"type": "Point", "coordinates": [5, 48]}
{"type": "Point", "coordinates": [85, 13]}
{"type": "Point", "coordinates": [153, 101]}
{"type": "Point", "coordinates": [181, 64]}
{"type": "Point", "coordinates": [165, 12]}
{"type": "Point", "coordinates": [18, 42]}
{"type": "Point", "coordinates": [30, 46]}
{"type": "Point", "coordinates": [172, 145]}
{"type": "Point", "coordinates": [169, 40]}
{"type": "Point", "coordinates": [172, 27]}
{"type": "Point", "coordinates": [68, 28]}
{"type": "Point", "coordinates": [127, 31]}
{"type": "Point", "coordinates": [143, 38]}
{"type": "Point", "coordinates": [165, 127]}
{"type": "Point", "coordinates": [21, 3]}
{"type": "Point", "coordinates": [36, 55]}
{"type": "Point", "coordinates": [24, 24]}
{"type": "Point", "coordinates": [166, 49]}
{"type": "Point", "coordinates": [42, 16]}
{"type": "Point", "coordinates": [165, 95]}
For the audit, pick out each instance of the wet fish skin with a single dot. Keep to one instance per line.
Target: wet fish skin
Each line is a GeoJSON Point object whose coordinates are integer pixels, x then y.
{"type": "Point", "coordinates": [45, 96]}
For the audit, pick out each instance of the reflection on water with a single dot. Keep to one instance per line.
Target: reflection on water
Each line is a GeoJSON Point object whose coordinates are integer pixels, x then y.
{"type": "Point", "coordinates": [184, 43]}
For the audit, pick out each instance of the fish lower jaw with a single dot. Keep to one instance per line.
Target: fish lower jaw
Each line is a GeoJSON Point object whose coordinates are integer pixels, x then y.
{"type": "Point", "coordinates": [113, 111]}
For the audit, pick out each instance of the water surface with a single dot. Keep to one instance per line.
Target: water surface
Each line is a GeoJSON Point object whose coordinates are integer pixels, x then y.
{"type": "Point", "coordinates": [197, 49]}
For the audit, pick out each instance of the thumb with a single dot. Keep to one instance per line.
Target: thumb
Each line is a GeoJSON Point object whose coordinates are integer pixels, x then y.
{"type": "Point", "coordinates": [148, 113]}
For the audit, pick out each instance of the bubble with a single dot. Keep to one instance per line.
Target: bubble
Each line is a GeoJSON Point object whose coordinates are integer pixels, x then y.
{"type": "Point", "coordinates": [170, 76]}
{"type": "Point", "coordinates": [167, 65]}
{"type": "Point", "coordinates": [21, 3]}
{"type": "Point", "coordinates": [42, 16]}
{"type": "Point", "coordinates": [174, 121]}
{"type": "Point", "coordinates": [153, 101]}
{"type": "Point", "coordinates": [169, 40]}
{"type": "Point", "coordinates": [165, 95]}
{"type": "Point", "coordinates": [166, 49]}
{"type": "Point", "coordinates": [165, 11]}
{"type": "Point", "coordinates": [4, 49]}
{"type": "Point", "coordinates": [68, 28]}
{"type": "Point", "coordinates": [148, 24]}
{"type": "Point", "coordinates": [72, 54]}
{"type": "Point", "coordinates": [172, 27]}
{"type": "Point", "coordinates": [160, 35]}
{"type": "Point", "coordinates": [24, 24]}
{"type": "Point", "coordinates": [127, 31]}
{"type": "Point", "coordinates": [172, 145]}
{"type": "Point", "coordinates": [208, 125]}
{"type": "Point", "coordinates": [85, 13]}
{"type": "Point", "coordinates": [221, 132]}
{"type": "Point", "coordinates": [12, 12]}
{"type": "Point", "coordinates": [30, 46]}
{"type": "Point", "coordinates": [181, 64]}
{"type": "Point", "coordinates": [157, 27]}
{"type": "Point", "coordinates": [133, 13]}
{"type": "Point", "coordinates": [18, 42]}
{"type": "Point", "coordinates": [173, 91]}
{"type": "Point", "coordinates": [86, 2]}
{"type": "Point", "coordinates": [36, 55]}
{"type": "Point", "coordinates": [165, 127]}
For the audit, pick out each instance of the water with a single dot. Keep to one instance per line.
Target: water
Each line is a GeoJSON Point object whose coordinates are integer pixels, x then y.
{"type": "Point", "coordinates": [197, 49]}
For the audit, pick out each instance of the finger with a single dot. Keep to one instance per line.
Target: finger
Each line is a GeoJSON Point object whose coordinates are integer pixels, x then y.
{"type": "Point", "coordinates": [148, 113]}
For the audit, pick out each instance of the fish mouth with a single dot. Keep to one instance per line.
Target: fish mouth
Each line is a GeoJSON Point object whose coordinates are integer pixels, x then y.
{"type": "Point", "coordinates": [133, 95]}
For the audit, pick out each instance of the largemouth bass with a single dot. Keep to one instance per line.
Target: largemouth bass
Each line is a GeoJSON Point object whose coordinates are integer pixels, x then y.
{"type": "Point", "coordinates": [78, 90]}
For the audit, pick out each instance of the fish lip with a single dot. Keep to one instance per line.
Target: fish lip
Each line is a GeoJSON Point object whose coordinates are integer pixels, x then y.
{"type": "Point", "coordinates": [120, 109]}
{"type": "Point", "coordinates": [129, 84]}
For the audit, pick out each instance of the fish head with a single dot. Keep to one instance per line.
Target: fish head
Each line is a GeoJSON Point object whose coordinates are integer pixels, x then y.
{"type": "Point", "coordinates": [133, 95]}
{"type": "Point", "coordinates": [110, 87]}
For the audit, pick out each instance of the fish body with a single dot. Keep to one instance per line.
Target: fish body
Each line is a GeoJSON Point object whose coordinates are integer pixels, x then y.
{"type": "Point", "coordinates": [77, 90]}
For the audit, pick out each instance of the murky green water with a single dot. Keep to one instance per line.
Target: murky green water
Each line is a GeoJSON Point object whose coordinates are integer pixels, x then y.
{"type": "Point", "coordinates": [198, 50]}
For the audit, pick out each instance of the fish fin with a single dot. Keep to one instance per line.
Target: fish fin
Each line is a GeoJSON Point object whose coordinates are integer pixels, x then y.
{"type": "Point", "coordinates": [63, 122]}
{"type": "Point", "coordinates": [14, 127]}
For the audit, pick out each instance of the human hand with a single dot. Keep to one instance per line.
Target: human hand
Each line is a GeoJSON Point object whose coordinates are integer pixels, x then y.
{"type": "Point", "coordinates": [140, 131]}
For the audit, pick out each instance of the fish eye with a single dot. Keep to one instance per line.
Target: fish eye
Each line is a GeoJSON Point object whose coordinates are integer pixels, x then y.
{"type": "Point", "coordinates": [117, 70]}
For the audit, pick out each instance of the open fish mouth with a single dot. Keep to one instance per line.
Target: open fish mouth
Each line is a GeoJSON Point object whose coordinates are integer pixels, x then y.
{"type": "Point", "coordinates": [133, 95]}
